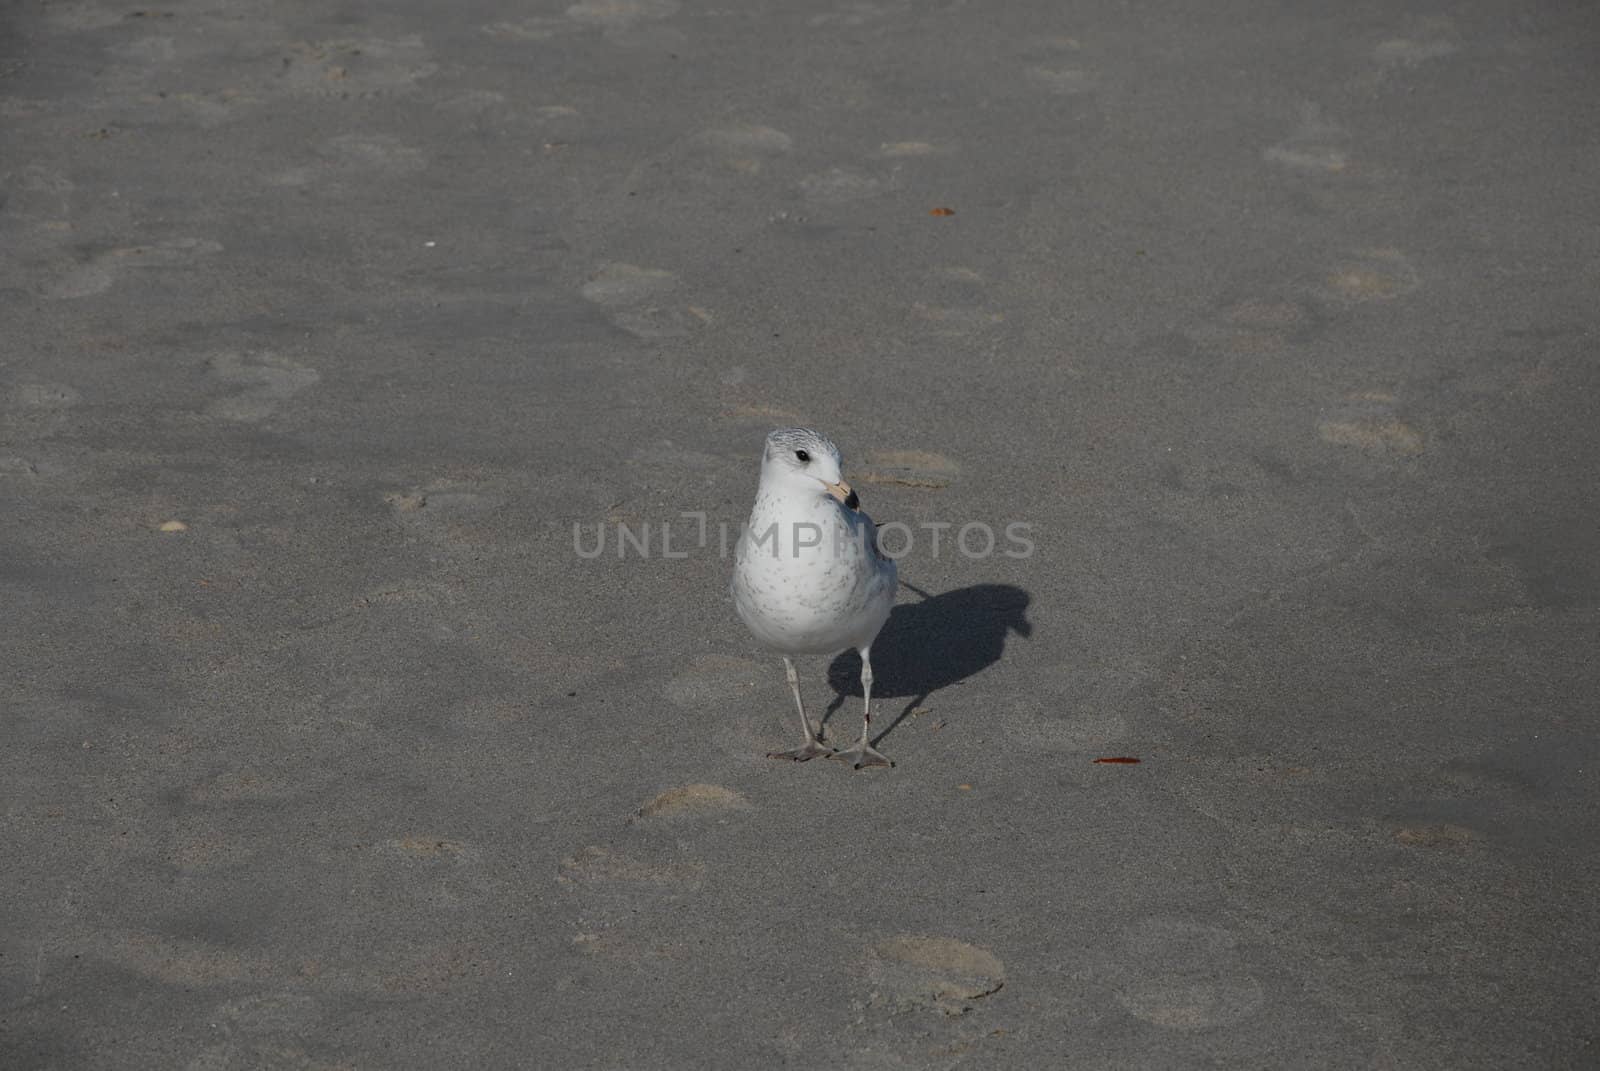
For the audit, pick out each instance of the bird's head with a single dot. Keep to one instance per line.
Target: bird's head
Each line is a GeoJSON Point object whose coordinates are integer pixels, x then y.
{"type": "Point", "coordinates": [804, 461]}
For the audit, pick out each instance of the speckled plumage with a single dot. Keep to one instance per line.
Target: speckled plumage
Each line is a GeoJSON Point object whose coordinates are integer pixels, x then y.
{"type": "Point", "coordinates": [808, 577]}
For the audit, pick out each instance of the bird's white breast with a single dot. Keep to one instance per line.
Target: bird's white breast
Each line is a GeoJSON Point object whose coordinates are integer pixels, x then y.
{"type": "Point", "coordinates": [807, 580]}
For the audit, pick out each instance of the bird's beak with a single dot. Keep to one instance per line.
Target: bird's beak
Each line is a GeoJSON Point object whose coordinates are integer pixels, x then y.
{"type": "Point", "coordinates": [842, 492]}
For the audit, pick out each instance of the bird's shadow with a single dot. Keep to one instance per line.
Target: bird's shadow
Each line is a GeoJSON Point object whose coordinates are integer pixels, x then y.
{"type": "Point", "coordinates": [931, 644]}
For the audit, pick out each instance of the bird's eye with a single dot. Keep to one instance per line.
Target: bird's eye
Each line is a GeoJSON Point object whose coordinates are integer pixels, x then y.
{"type": "Point", "coordinates": [802, 456]}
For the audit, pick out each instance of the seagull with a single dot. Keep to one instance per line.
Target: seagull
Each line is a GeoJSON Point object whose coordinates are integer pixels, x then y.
{"type": "Point", "coordinates": [809, 578]}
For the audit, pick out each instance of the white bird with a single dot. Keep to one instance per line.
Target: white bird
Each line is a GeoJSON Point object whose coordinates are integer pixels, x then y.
{"type": "Point", "coordinates": [809, 578]}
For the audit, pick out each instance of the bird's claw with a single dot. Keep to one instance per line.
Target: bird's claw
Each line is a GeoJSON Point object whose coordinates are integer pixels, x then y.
{"type": "Point", "coordinates": [862, 755]}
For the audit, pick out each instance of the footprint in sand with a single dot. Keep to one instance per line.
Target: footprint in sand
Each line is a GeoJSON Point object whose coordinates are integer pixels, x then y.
{"type": "Point", "coordinates": [595, 865]}
{"type": "Point", "coordinates": [372, 153]}
{"type": "Point", "coordinates": [27, 467]}
{"type": "Point", "coordinates": [711, 165]}
{"type": "Point", "coordinates": [744, 400]}
{"type": "Point", "coordinates": [444, 500]}
{"type": "Point", "coordinates": [180, 962]}
{"type": "Point", "coordinates": [1400, 54]}
{"type": "Point", "coordinates": [619, 14]}
{"type": "Point", "coordinates": [858, 13]}
{"type": "Point", "coordinates": [746, 139]}
{"type": "Point", "coordinates": [269, 1013]}
{"type": "Point", "coordinates": [533, 28]}
{"type": "Point", "coordinates": [474, 102]}
{"type": "Point", "coordinates": [627, 284]}
{"type": "Point", "coordinates": [1183, 976]}
{"type": "Point", "coordinates": [1053, 65]}
{"type": "Point", "coordinates": [612, 884]}
{"type": "Point", "coordinates": [639, 301]}
{"type": "Point", "coordinates": [1315, 146]}
{"type": "Point", "coordinates": [1444, 836]}
{"type": "Point", "coordinates": [37, 193]}
{"type": "Point", "coordinates": [899, 150]}
{"type": "Point", "coordinates": [1408, 52]}
{"type": "Point", "coordinates": [48, 396]}
{"type": "Point", "coordinates": [665, 456]}
{"type": "Point", "coordinates": [359, 67]}
{"type": "Point", "coordinates": [268, 381]}
{"type": "Point", "coordinates": [1368, 420]}
{"type": "Point", "coordinates": [1428, 38]}
{"type": "Point", "coordinates": [448, 513]}
{"type": "Point", "coordinates": [1261, 323]}
{"type": "Point", "coordinates": [744, 149]}
{"type": "Point", "coordinates": [1380, 274]}
{"type": "Point", "coordinates": [841, 185]}
{"type": "Point", "coordinates": [957, 304]}
{"type": "Point", "coordinates": [1062, 81]}
{"type": "Point", "coordinates": [78, 17]}
{"type": "Point", "coordinates": [147, 51]}
{"type": "Point", "coordinates": [937, 974]}
{"type": "Point", "coordinates": [102, 270]}
{"type": "Point", "coordinates": [631, 23]}
{"type": "Point", "coordinates": [425, 847]}
{"type": "Point", "coordinates": [920, 469]}
{"type": "Point", "coordinates": [946, 320]}
{"type": "Point", "coordinates": [693, 801]}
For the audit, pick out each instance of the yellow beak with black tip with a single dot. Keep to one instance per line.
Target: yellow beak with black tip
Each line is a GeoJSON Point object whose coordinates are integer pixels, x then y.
{"type": "Point", "coordinates": [844, 494]}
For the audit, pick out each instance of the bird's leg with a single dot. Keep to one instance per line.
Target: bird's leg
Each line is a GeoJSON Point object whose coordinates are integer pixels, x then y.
{"type": "Point", "coordinates": [813, 747]}
{"type": "Point", "coordinates": [864, 754]}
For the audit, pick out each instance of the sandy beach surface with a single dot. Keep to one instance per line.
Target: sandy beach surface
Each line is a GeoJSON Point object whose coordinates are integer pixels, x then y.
{"type": "Point", "coordinates": [1261, 339]}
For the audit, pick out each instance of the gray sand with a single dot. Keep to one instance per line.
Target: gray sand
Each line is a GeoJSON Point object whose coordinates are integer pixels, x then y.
{"type": "Point", "coordinates": [324, 324]}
